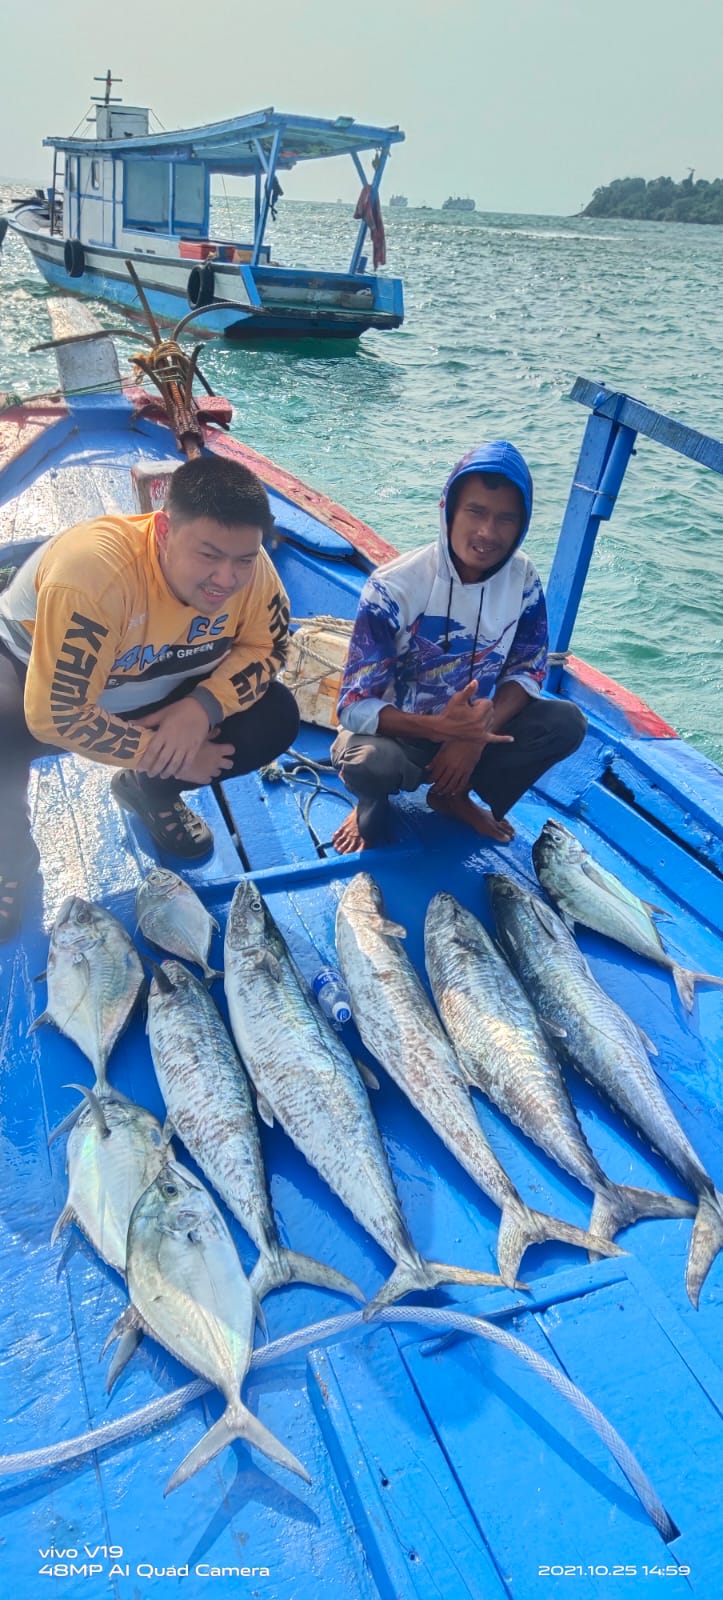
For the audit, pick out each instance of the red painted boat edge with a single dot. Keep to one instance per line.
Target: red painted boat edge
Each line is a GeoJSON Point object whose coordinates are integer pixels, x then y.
{"type": "Point", "coordinates": [640, 717]}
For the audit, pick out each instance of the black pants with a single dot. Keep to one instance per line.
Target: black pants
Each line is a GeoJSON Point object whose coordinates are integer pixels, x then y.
{"type": "Point", "coordinates": [258, 735]}
{"type": "Point", "coordinates": [373, 767]}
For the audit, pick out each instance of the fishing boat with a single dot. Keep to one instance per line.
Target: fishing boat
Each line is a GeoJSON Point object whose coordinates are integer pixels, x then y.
{"type": "Point", "coordinates": [456, 202]}
{"type": "Point", "coordinates": [130, 194]}
{"type": "Point", "coordinates": [438, 1467]}
{"type": "Point", "coordinates": [399, 200]}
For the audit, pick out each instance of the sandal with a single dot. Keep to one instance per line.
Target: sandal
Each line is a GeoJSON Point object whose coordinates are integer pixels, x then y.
{"type": "Point", "coordinates": [13, 885]}
{"type": "Point", "coordinates": [171, 825]}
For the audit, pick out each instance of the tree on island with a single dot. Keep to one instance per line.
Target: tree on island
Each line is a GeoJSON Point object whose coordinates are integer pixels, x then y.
{"type": "Point", "coordinates": [660, 200]}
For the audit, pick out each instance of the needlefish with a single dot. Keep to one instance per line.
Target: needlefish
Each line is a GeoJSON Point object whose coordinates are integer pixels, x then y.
{"type": "Point", "coordinates": [399, 1026]}
{"type": "Point", "coordinates": [209, 1105]}
{"type": "Point", "coordinates": [593, 1034]}
{"type": "Point", "coordinates": [585, 892]}
{"type": "Point", "coordinates": [172, 916]}
{"type": "Point", "coordinates": [190, 1292]}
{"type": "Point", "coordinates": [94, 978]}
{"type": "Point", "coordinates": [306, 1080]}
{"type": "Point", "coordinates": [503, 1050]}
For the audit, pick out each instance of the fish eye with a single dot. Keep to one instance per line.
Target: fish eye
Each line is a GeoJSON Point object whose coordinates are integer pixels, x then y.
{"type": "Point", "coordinates": [170, 1190]}
{"type": "Point", "coordinates": [83, 914]}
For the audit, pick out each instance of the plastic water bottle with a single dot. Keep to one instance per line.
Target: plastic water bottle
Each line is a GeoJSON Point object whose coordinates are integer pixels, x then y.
{"type": "Point", "coordinates": [333, 996]}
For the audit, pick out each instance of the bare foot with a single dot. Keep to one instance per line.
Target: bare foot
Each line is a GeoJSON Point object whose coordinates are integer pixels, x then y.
{"type": "Point", "coordinates": [347, 838]}
{"type": "Point", "coordinates": [463, 809]}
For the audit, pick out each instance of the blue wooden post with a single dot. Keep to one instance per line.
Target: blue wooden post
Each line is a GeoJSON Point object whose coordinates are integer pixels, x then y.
{"type": "Point", "coordinates": [359, 246]}
{"type": "Point", "coordinates": [606, 449]}
{"type": "Point", "coordinates": [266, 207]}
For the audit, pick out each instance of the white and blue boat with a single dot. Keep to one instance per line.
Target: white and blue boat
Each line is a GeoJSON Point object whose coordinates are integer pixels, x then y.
{"type": "Point", "coordinates": [129, 194]}
{"type": "Point", "coordinates": [449, 1470]}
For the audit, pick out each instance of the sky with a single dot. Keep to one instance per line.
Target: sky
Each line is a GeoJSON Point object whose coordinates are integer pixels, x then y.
{"type": "Point", "coordinates": [524, 105]}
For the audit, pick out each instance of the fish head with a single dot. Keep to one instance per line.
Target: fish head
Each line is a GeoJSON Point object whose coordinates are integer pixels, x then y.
{"type": "Point", "coordinates": [159, 881]}
{"type": "Point", "coordinates": [445, 918]}
{"type": "Point", "coordinates": [524, 921]}
{"type": "Point", "coordinates": [555, 850]}
{"type": "Point", "coordinates": [248, 926]}
{"type": "Point", "coordinates": [78, 925]}
{"type": "Point", "coordinates": [362, 895]}
{"type": "Point", "coordinates": [176, 1203]}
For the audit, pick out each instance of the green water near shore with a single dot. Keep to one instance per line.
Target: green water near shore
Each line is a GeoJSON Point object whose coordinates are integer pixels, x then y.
{"type": "Point", "coordinates": [502, 313]}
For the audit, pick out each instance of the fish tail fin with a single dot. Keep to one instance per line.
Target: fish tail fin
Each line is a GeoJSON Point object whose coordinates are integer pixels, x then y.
{"type": "Point", "coordinates": [705, 1242]}
{"type": "Point", "coordinates": [236, 1423]}
{"type": "Point", "coordinates": [275, 1268]}
{"type": "Point", "coordinates": [520, 1227]}
{"type": "Point", "coordinates": [685, 981]}
{"type": "Point", "coordinates": [421, 1274]}
{"type": "Point", "coordinates": [620, 1205]}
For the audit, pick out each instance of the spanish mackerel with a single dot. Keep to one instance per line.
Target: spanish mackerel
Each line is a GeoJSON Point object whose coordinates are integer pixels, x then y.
{"type": "Point", "coordinates": [503, 1050]}
{"type": "Point", "coordinates": [306, 1080]}
{"type": "Point", "coordinates": [584, 892]}
{"type": "Point", "coordinates": [209, 1105]}
{"type": "Point", "coordinates": [171, 915]}
{"type": "Point", "coordinates": [94, 978]}
{"type": "Point", "coordinates": [594, 1035]}
{"type": "Point", "coordinates": [399, 1026]}
{"type": "Point", "coordinates": [189, 1290]}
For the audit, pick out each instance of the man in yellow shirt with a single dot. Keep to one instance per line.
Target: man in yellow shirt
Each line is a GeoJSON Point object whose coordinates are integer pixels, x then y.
{"type": "Point", "coordinates": [151, 644]}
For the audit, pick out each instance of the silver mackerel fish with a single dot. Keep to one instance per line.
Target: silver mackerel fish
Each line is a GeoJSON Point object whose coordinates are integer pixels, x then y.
{"type": "Point", "coordinates": [171, 915]}
{"type": "Point", "coordinates": [400, 1027]}
{"type": "Point", "coordinates": [94, 977]}
{"type": "Point", "coordinates": [594, 1035]}
{"type": "Point", "coordinates": [584, 892]}
{"type": "Point", "coordinates": [306, 1080]}
{"type": "Point", "coordinates": [209, 1105]}
{"type": "Point", "coordinates": [189, 1290]}
{"type": "Point", "coordinates": [504, 1051]}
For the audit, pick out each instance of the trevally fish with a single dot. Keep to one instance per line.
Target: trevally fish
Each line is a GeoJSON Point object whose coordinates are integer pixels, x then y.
{"type": "Point", "coordinates": [189, 1290]}
{"type": "Point", "coordinates": [306, 1080]}
{"type": "Point", "coordinates": [115, 1149]}
{"type": "Point", "coordinates": [94, 977]}
{"type": "Point", "coordinates": [171, 915]}
{"type": "Point", "coordinates": [585, 892]}
{"type": "Point", "coordinates": [503, 1050]}
{"type": "Point", "coordinates": [209, 1105]}
{"type": "Point", "coordinates": [400, 1027]}
{"type": "Point", "coordinates": [594, 1035]}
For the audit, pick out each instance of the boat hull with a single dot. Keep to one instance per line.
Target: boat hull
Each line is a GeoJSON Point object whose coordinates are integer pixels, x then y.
{"type": "Point", "coordinates": [165, 283]}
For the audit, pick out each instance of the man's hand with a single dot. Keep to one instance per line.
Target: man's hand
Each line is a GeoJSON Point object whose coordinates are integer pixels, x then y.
{"type": "Point", "coordinates": [211, 761]}
{"type": "Point", "coordinates": [180, 732]}
{"type": "Point", "coordinates": [452, 767]}
{"type": "Point", "coordinates": [469, 723]}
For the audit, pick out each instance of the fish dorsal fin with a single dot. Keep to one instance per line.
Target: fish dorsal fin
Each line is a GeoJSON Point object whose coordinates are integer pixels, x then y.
{"type": "Point", "coordinates": [651, 1048]}
{"type": "Point", "coordinates": [547, 918]}
{"type": "Point", "coordinates": [367, 1076]}
{"type": "Point", "coordinates": [39, 1022]}
{"type": "Point", "coordinates": [264, 1110]}
{"type": "Point", "coordinates": [96, 1108]}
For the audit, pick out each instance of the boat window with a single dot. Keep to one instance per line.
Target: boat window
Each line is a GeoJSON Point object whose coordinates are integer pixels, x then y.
{"type": "Point", "coordinates": [145, 194]}
{"type": "Point", "coordinates": [95, 174]}
{"type": "Point", "coordinates": [189, 197]}
{"type": "Point", "coordinates": [69, 174]}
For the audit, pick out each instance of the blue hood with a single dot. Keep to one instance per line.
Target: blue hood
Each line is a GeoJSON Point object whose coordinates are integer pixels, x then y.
{"type": "Point", "coordinates": [497, 456]}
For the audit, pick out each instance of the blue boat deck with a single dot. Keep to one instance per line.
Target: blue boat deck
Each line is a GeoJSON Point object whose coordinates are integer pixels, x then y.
{"type": "Point", "coordinates": [455, 1472]}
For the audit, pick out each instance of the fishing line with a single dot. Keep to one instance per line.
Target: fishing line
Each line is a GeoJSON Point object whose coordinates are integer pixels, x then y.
{"type": "Point", "coordinates": [157, 1412]}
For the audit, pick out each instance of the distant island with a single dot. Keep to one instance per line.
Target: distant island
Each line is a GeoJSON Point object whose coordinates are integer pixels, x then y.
{"type": "Point", "coordinates": [660, 200]}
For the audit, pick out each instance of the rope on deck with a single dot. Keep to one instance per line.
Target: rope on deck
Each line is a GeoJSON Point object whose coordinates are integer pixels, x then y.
{"type": "Point", "coordinates": [157, 1412]}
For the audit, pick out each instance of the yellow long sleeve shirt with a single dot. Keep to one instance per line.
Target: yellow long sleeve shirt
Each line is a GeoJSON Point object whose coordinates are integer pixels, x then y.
{"type": "Point", "coordinates": [102, 634]}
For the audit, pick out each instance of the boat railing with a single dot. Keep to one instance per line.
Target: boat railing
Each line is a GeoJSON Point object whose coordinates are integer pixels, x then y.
{"type": "Point", "coordinates": [607, 446]}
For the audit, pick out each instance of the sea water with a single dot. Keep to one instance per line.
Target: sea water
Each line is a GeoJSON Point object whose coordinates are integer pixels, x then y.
{"type": "Point", "coordinates": [502, 313]}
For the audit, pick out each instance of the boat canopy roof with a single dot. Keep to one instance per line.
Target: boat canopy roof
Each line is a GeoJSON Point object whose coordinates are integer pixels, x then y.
{"type": "Point", "coordinates": [241, 144]}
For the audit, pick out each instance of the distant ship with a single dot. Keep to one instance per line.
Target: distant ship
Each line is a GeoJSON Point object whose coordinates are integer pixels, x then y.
{"type": "Point", "coordinates": [456, 203]}
{"type": "Point", "coordinates": [398, 200]}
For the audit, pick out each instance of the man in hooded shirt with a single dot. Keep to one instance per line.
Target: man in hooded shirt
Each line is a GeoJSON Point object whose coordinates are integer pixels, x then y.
{"type": "Point", "coordinates": [442, 683]}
